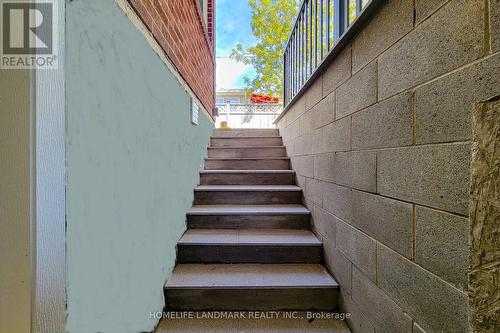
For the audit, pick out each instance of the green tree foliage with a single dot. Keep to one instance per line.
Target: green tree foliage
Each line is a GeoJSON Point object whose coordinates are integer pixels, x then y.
{"type": "Point", "coordinates": [272, 22]}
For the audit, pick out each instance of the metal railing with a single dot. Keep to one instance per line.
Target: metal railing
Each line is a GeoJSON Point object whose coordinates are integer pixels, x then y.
{"type": "Point", "coordinates": [319, 29]}
{"type": "Point", "coordinates": [248, 115]}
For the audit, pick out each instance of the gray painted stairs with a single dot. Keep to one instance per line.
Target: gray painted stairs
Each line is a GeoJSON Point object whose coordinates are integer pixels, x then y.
{"type": "Point", "coordinates": [249, 245]}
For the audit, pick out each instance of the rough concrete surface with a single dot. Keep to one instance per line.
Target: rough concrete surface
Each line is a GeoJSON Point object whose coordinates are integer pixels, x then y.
{"type": "Point", "coordinates": [484, 278]}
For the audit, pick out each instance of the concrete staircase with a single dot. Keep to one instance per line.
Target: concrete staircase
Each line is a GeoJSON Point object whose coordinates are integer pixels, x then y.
{"type": "Point", "coordinates": [249, 245]}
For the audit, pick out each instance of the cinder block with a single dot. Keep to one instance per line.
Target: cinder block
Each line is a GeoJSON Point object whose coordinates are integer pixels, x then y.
{"type": "Point", "coordinates": [337, 72]}
{"type": "Point", "coordinates": [325, 223]}
{"type": "Point", "coordinates": [436, 176]}
{"type": "Point", "coordinates": [324, 111]}
{"type": "Point", "coordinates": [317, 140]}
{"type": "Point", "coordinates": [388, 221]}
{"type": "Point", "coordinates": [433, 303]}
{"type": "Point", "coordinates": [385, 124]}
{"type": "Point", "coordinates": [425, 8]}
{"type": "Point", "coordinates": [452, 37]}
{"type": "Point", "coordinates": [336, 136]}
{"type": "Point", "coordinates": [314, 94]}
{"type": "Point", "coordinates": [303, 145]}
{"type": "Point", "coordinates": [443, 108]}
{"type": "Point", "coordinates": [417, 328]}
{"type": "Point", "coordinates": [357, 246]}
{"type": "Point", "coordinates": [342, 168]}
{"type": "Point", "coordinates": [495, 25]}
{"type": "Point", "coordinates": [333, 167]}
{"type": "Point", "coordinates": [338, 265]}
{"type": "Point", "coordinates": [358, 323]}
{"type": "Point", "coordinates": [293, 130]}
{"type": "Point", "coordinates": [364, 170]}
{"type": "Point", "coordinates": [448, 259]}
{"type": "Point", "coordinates": [306, 123]}
{"type": "Point", "coordinates": [314, 191]}
{"type": "Point", "coordinates": [380, 309]}
{"type": "Point", "coordinates": [358, 92]}
{"type": "Point", "coordinates": [301, 181]}
{"type": "Point", "coordinates": [338, 201]}
{"type": "Point", "coordinates": [323, 167]}
{"type": "Point", "coordinates": [297, 110]}
{"type": "Point", "coordinates": [393, 21]}
{"type": "Point", "coordinates": [307, 165]}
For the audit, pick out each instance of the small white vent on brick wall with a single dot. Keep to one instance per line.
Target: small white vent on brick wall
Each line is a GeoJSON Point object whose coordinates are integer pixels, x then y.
{"type": "Point", "coordinates": [195, 110]}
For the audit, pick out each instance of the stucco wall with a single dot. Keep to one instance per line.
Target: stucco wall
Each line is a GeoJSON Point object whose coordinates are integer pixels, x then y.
{"type": "Point", "coordinates": [381, 142]}
{"type": "Point", "coordinates": [132, 160]}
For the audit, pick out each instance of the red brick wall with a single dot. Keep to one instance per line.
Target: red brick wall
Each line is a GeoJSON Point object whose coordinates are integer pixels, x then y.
{"type": "Point", "coordinates": [178, 27]}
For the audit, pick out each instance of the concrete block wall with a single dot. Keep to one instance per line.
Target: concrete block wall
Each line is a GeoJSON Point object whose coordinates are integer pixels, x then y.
{"type": "Point", "coordinates": [381, 143]}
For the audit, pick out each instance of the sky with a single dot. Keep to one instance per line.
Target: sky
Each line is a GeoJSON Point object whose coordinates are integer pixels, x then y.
{"type": "Point", "coordinates": [232, 27]}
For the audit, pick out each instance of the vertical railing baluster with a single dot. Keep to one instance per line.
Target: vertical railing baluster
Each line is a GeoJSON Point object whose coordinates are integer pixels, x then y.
{"type": "Point", "coordinates": [321, 30]}
{"type": "Point", "coordinates": [303, 52]}
{"type": "Point", "coordinates": [307, 39]}
{"type": "Point", "coordinates": [307, 47]}
{"type": "Point", "coordinates": [315, 33]}
{"type": "Point", "coordinates": [310, 38]}
{"type": "Point", "coordinates": [328, 25]}
{"type": "Point", "coordinates": [359, 6]}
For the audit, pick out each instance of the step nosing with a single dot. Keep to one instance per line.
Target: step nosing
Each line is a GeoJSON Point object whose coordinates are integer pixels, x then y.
{"type": "Point", "coordinates": [242, 147]}
{"type": "Point", "coordinates": [243, 287]}
{"type": "Point", "coordinates": [251, 171]}
{"type": "Point", "coordinates": [247, 137]}
{"type": "Point", "coordinates": [246, 158]}
{"type": "Point", "coordinates": [245, 244]}
{"type": "Point", "coordinates": [249, 188]}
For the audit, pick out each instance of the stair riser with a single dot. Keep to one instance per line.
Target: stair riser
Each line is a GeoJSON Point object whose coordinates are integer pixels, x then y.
{"type": "Point", "coordinates": [252, 299]}
{"type": "Point", "coordinates": [255, 254]}
{"type": "Point", "coordinates": [246, 152]}
{"type": "Point", "coordinates": [284, 221]}
{"type": "Point", "coordinates": [245, 142]}
{"type": "Point", "coordinates": [247, 164]}
{"type": "Point", "coordinates": [247, 133]}
{"type": "Point", "coordinates": [248, 179]}
{"type": "Point", "coordinates": [247, 197]}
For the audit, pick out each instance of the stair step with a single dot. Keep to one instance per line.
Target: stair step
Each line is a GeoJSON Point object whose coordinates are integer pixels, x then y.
{"type": "Point", "coordinates": [251, 287]}
{"type": "Point", "coordinates": [248, 217]}
{"type": "Point", "coordinates": [247, 132]}
{"type": "Point", "coordinates": [249, 246]}
{"type": "Point", "coordinates": [246, 141]}
{"type": "Point", "coordinates": [247, 194]}
{"type": "Point", "coordinates": [247, 177]}
{"type": "Point", "coordinates": [265, 163]}
{"type": "Point", "coordinates": [235, 152]}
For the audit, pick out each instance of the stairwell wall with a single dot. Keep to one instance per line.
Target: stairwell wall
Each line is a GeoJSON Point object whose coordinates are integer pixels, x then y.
{"type": "Point", "coordinates": [132, 161]}
{"type": "Point", "coordinates": [381, 143]}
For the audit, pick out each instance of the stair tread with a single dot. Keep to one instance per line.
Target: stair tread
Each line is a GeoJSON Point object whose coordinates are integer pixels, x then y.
{"type": "Point", "coordinates": [247, 171]}
{"type": "Point", "coordinates": [247, 209]}
{"type": "Point", "coordinates": [249, 237]}
{"type": "Point", "coordinates": [247, 276]}
{"type": "Point", "coordinates": [247, 158]}
{"type": "Point", "coordinates": [243, 188]}
{"type": "Point", "coordinates": [259, 147]}
{"type": "Point", "coordinates": [246, 137]}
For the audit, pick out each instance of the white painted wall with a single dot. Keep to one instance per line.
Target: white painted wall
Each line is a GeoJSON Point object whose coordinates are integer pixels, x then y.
{"type": "Point", "coordinates": [50, 304]}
